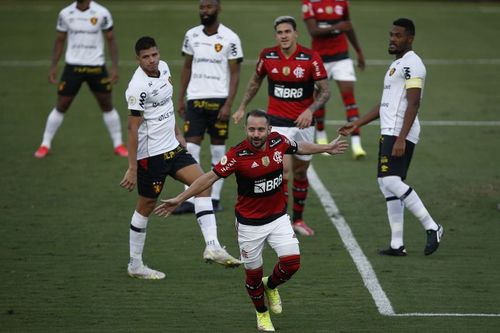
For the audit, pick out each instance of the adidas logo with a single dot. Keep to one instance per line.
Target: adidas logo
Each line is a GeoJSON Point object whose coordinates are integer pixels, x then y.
{"type": "Point", "coordinates": [274, 71]}
{"type": "Point", "coordinates": [255, 164]}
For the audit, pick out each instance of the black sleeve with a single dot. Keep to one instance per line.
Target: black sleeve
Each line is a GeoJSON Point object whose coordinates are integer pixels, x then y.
{"type": "Point", "coordinates": [136, 113]}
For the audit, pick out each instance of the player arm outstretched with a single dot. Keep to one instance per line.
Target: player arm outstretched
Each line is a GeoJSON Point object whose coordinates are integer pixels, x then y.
{"type": "Point", "coordinates": [348, 128]}
{"type": "Point", "coordinates": [252, 89]}
{"type": "Point", "coordinates": [335, 147]}
{"type": "Point", "coordinates": [199, 185]}
{"type": "Point", "coordinates": [130, 178]}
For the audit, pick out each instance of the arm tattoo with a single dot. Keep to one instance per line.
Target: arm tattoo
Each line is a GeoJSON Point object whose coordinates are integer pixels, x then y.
{"type": "Point", "coordinates": [252, 88]}
{"type": "Point", "coordinates": [322, 96]}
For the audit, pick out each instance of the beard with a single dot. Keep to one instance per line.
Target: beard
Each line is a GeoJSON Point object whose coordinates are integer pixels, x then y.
{"type": "Point", "coordinates": [209, 19]}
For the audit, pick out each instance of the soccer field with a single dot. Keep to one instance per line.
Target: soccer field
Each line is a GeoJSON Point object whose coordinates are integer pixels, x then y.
{"type": "Point", "coordinates": [65, 220]}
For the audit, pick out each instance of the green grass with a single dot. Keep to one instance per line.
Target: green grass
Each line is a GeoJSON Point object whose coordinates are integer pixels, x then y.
{"type": "Point", "coordinates": [64, 220]}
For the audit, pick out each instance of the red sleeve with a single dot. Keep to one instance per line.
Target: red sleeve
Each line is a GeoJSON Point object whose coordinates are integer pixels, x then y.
{"type": "Point", "coordinates": [261, 69]}
{"type": "Point", "coordinates": [307, 11]}
{"type": "Point", "coordinates": [319, 71]}
{"type": "Point", "coordinates": [227, 165]}
{"type": "Point", "coordinates": [291, 145]}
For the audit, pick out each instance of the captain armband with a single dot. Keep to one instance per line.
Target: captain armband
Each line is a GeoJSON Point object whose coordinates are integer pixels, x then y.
{"type": "Point", "coordinates": [415, 82]}
{"type": "Point", "coordinates": [136, 113]}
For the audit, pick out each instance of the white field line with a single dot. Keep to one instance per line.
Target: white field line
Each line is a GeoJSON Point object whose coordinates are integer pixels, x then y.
{"type": "Point", "coordinates": [364, 267]}
{"type": "Point", "coordinates": [432, 122]}
{"type": "Point", "coordinates": [252, 62]}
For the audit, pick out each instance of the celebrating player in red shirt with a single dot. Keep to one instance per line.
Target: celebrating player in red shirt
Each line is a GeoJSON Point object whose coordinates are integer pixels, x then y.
{"type": "Point", "coordinates": [292, 72]}
{"type": "Point", "coordinates": [260, 209]}
{"type": "Point", "coordinates": [329, 25]}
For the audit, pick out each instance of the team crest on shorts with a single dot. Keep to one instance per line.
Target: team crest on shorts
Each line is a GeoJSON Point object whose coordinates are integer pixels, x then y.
{"type": "Point", "coordinates": [265, 161]}
{"type": "Point", "coordinates": [392, 71]}
{"type": "Point", "coordinates": [218, 47]}
{"type": "Point", "coordinates": [286, 70]}
{"type": "Point", "coordinates": [93, 20]}
{"type": "Point", "coordinates": [157, 186]}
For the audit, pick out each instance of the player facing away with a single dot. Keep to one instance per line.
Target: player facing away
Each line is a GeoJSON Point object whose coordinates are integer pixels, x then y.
{"type": "Point", "coordinates": [292, 72]}
{"type": "Point", "coordinates": [261, 217]}
{"type": "Point", "coordinates": [156, 150]}
{"type": "Point", "coordinates": [400, 130]}
{"type": "Point", "coordinates": [85, 24]}
{"type": "Point", "coordinates": [330, 27]}
{"type": "Point", "coordinates": [209, 79]}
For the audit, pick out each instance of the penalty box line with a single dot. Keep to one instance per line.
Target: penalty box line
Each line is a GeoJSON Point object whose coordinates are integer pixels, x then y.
{"type": "Point", "coordinates": [365, 269]}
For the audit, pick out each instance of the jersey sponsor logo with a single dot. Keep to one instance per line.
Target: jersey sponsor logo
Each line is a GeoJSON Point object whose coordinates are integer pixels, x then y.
{"type": "Point", "coordinates": [391, 71]}
{"type": "Point", "coordinates": [265, 161]}
{"type": "Point", "coordinates": [278, 157]}
{"type": "Point", "coordinates": [234, 49]}
{"type": "Point", "coordinates": [303, 56]}
{"type": "Point", "coordinates": [254, 165]}
{"type": "Point", "coordinates": [218, 47]}
{"type": "Point", "coordinates": [264, 185]}
{"type": "Point", "coordinates": [142, 99]}
{"type": "Point", "coordinates": [387, 86]}
{"type": "Point", "coordinates": [407, 73]}
{"type": "Point", "coordinates": [166, 115]}
{"type": "Point", "coordinates": [272, 55]}
{"type": "Point", "coordinates": [299, 72]}
{"type": "Point", "coordinates": [283, 92]}
{"type": "Point", "coordinates": [93, 20]}
{"type": "Point", "coordinates": [132, 100]}
{"type": "Point", "coordinates": [317, 68]}
{"type": "Point", "coordinates": [228, 165]}
{"type": "Point", "coordinates": [286, 70]}
{"type": "Point", "coordinates": [274, 142]}
{"type": "Point", "coordinates": [244, 152]}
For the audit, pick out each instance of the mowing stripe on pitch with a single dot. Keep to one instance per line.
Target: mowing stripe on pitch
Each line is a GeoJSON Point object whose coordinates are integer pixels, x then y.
{"type": "Point", "coordinates": [431, 123]}
{"type": "Point", "coordinates": [364, 267]}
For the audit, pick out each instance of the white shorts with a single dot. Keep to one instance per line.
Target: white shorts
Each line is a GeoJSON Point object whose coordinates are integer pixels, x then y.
{"type": "Point", "coordinates": [298, 135]}
{"type": "Point", "coordinates": [278, 234]}
{"type": "Point", "coordinates": [342, 70]}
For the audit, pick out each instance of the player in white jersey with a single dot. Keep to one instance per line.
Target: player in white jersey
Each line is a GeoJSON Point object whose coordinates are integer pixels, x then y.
{"type": "Point", "coordinates": [156, 150]}
{"type": "Point", "coordinates": [209, 80]}
{"type": "Point", "coordinates": [400, 129]}
{"type": "Point", "coordinates": [84, 24]}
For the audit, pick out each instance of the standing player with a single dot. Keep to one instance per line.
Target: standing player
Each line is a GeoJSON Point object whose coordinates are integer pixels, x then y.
{"type": "Point", "coordinates": [84, 23]}
{"type": "Point", "coordinates": [210, 77]}
{"type": "Point", "coordinates": [260, 209]}
{"type": "Point", "coordinates": [400, 129]}
{"type": "Point", "coordinates": [329, 24]}
{"type": "Point", "coordinates": [155, 151]}
{"type": "Point", "coordinates": [292, 72]}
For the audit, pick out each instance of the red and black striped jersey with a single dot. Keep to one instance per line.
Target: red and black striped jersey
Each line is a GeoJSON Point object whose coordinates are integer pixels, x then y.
{"type": "Point", "coordinates": [290, 81]}
{"type": "Point", "coordinates": [332, 47]}
{"type": "Point", "coordinates": [259, 176]}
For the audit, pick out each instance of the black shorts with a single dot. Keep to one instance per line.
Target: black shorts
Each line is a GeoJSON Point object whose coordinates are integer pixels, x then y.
{"type": "Point", "coordinates": [73, 76]}
{"type": "Point", "coordinates": [389, 165]}
{"type": "Point", "coordinates": [152, 171]}
{"type": "Point", "coordinates": [201, 116]}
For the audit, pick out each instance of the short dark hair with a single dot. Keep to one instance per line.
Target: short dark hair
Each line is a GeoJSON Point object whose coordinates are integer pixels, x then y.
{"type": "Point", "coordinates": [285, 19]}
{"type": "Point", "coordinates": [407, 24]}
{"type": "Point", "coordinates": [258, 113]}
{"type": "Point", "coordinates": [144, 43]}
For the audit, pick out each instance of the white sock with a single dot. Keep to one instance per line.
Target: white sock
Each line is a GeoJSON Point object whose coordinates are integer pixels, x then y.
{"type": "Point", "coordinates": [321, 135]}
{"type": "Point", "coordinates": [355, 140]}
{"type": "Point", "coordinates": [194, 150]}
{"type": "Point", "coordinates": [417, 208]}
{"type": "Point", "coordinates": [395, 214]}
{"type": "Point", "coordinates": [54, 121]}
{"type": "Point", "coordinates": [217, 151]}
{"type": "Point", "coordinates": [112, 121]}
{"type": "Point", "coordinates": [410, 200]}
{"type": "Point", "coordinates": [206, 219]}
{"type": "Point", "coordinates": [137, 236]}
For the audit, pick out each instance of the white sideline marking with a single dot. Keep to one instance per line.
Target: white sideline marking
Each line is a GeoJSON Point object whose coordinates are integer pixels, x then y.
{"type": "Point", "coordinates": [432, 122]}
{"type": "Point", "coordinates": [252, 62]}
{"type": "Point", "coordinates": [364, 267]}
